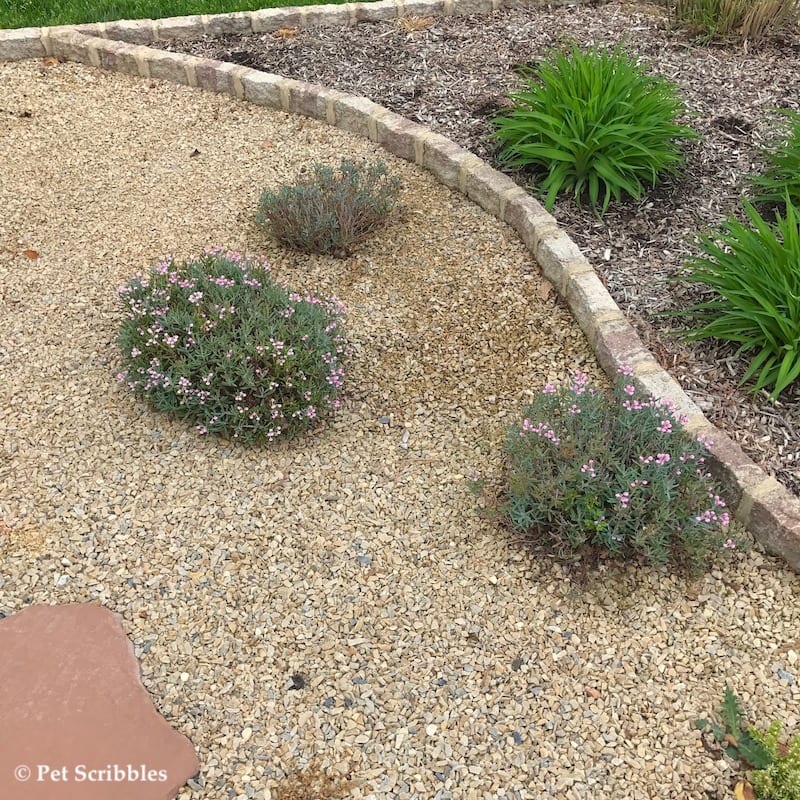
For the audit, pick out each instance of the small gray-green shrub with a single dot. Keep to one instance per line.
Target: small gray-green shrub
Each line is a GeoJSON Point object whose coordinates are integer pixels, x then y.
{"type": "Point", "coordinates": [754, 271]}
{"type": "Point", "coordinates": [596, 475]}
{"type": "Point", "coordinates": [217, 342]}
{"type": "Point", "coordinates": [329, 209]}
{"type": "Point", "coordinates": [594, 124]}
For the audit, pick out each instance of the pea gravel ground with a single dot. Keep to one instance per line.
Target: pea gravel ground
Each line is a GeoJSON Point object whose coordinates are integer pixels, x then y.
{"type": "Point", "coordinates": [339, 605]}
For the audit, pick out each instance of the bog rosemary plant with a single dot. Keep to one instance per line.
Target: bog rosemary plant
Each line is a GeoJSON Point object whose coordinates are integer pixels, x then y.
{"type": "Point", "coordinates": [595, 124]}
{"type": "Point", "coordinates": [329, 209]}
{"type": "Point", "coordinates": [596, 475]}
{"type": "Point", "coordinates": [781, 178]}
{"type": "Point", "coordinates": [217, 342]}
{"type": "Point", "coordinates": [754, 271]}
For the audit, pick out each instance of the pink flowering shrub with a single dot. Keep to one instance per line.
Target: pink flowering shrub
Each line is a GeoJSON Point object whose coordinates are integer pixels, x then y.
{"type": "Point", "coordinates": [590, 475]}
{"type": "Point", "coordinates": [217, 342]}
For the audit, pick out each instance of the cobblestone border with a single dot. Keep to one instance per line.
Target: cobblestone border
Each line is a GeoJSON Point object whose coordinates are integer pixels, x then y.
{"type": "Point", "coordinates": [767, 508]}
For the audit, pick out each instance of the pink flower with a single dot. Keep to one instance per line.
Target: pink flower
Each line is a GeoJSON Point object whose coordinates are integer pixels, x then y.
{"type": "Point", "coordinates": [624, 498]}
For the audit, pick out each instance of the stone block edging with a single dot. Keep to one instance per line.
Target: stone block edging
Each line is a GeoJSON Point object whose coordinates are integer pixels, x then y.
{"type": "Point", "coordinates": [764, 506]}
{"type": "Point", "coordinates": [20, 43]}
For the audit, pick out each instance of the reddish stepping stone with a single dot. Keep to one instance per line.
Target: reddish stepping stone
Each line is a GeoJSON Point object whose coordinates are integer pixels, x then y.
{"type": "Point", "coordinates": [75, 721]}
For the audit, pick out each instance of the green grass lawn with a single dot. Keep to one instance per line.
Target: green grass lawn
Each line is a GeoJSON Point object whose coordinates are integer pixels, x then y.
{"type": "Point", "coordinates": [27, 13]}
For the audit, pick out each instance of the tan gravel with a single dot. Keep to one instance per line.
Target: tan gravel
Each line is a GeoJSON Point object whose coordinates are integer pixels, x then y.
{"type": "Point", "coordinates": [339, 602]}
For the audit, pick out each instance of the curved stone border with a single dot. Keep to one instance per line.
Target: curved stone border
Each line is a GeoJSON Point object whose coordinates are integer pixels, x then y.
{"type": "Point", "coordinates": [760, 502]}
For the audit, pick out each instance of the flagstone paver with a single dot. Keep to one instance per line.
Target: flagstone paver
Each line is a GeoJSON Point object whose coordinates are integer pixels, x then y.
{"type": "Point", "coordinates": [75, 721]}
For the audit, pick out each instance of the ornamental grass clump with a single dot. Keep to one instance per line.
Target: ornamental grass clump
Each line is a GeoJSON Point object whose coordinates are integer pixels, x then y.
{"type": "Point", "coordinates": [594, 124]}
{"type": "Point", "coordinates": [595, 475]}
{"type": "Point", "coordinates": [751, 21]}
{"type": "Point", "coordinates": [754, 271]}
{"type": "Point", "coordinates": [330, 209]}
{"type": "Point", "coordinates": [217, 342]}
{"type": "Point", "coordinates": [781, 178]}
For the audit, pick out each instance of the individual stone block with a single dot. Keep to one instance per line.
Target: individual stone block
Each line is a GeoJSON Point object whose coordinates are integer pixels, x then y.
{"type": "Point", "coordinates": [71, 698]}
{"type": "Point", "coordinates": [270, 19]}
{"type": "Point", "coordinates": [373, 12]}
{"type": "Point", "coordinates": [358, 115]}
{"type": "Point", "coordinates": [529, 219]}
{"type": "Point", "coordinates": [558, 257]}
{"type": "Point", "coordinates": [418, 8]}
{"type": "Point", "coordinates": [174, 67]}
{"type": "Point", "coordinates": [774, 519]}
{"type": "Point", "coordinates": [398, 135]}
{"type": "Point", "coordinates": [19, 43]}
{"type": "Point", "coordinates": [735, 472]}
{"type": "Point", "coordinates": [617, 343]}
{"type": "Point", "coordinates": [485, 186]}
{"type": "Point", "coordinates": [140, 31]}
{"type": "Point", "coordinates": [73, 46]}
{"type": "Point", "coordinates": [119, 57]}
{"type": "Point", "coordinates": [190, 27]}
{"type": "Point", "coordinates": [587, 298]}
{"type": "Point", "coordinates": [465, 7]}
{"type": "Point", "coordinates": [218, 76]}
{"type": "Point", "coordinates": [662, 386]}
{"type": "Point", "coordinates": [225, 24]}
{"type": "Point", "coordinates": [307, 99]}
{"type": "Point", "coordinates": [263, 88]}
{"type": "Point", "coordinates": [312, 100]}
{"type": "Point", "coordinates": [443, 158]}
{"type": "Point", "coordinates": [324, 16]}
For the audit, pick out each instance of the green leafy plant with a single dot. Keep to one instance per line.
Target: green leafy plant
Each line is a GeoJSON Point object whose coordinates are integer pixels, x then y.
{"type": "Point", "coordinates": [591, 474]}
{"type": "Point", "coordinates": [217, 342]}
{"type": "Point", "coordinates": [780, 780]}
{"type": "Point", "coordinates": [595, 124]}
{"type": "Point", "coordinates": [781, 178]}
{"type": "Point", "coordinates": [329, 210]}
{"type": "Point", "coordinates": [755, 271]}
{"type": "Point", "coordinates": [775, 773]}
{"type": "Point", "coordinates": [749, 20]}
{"type": "Point", "coordinates": [736, 739]}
